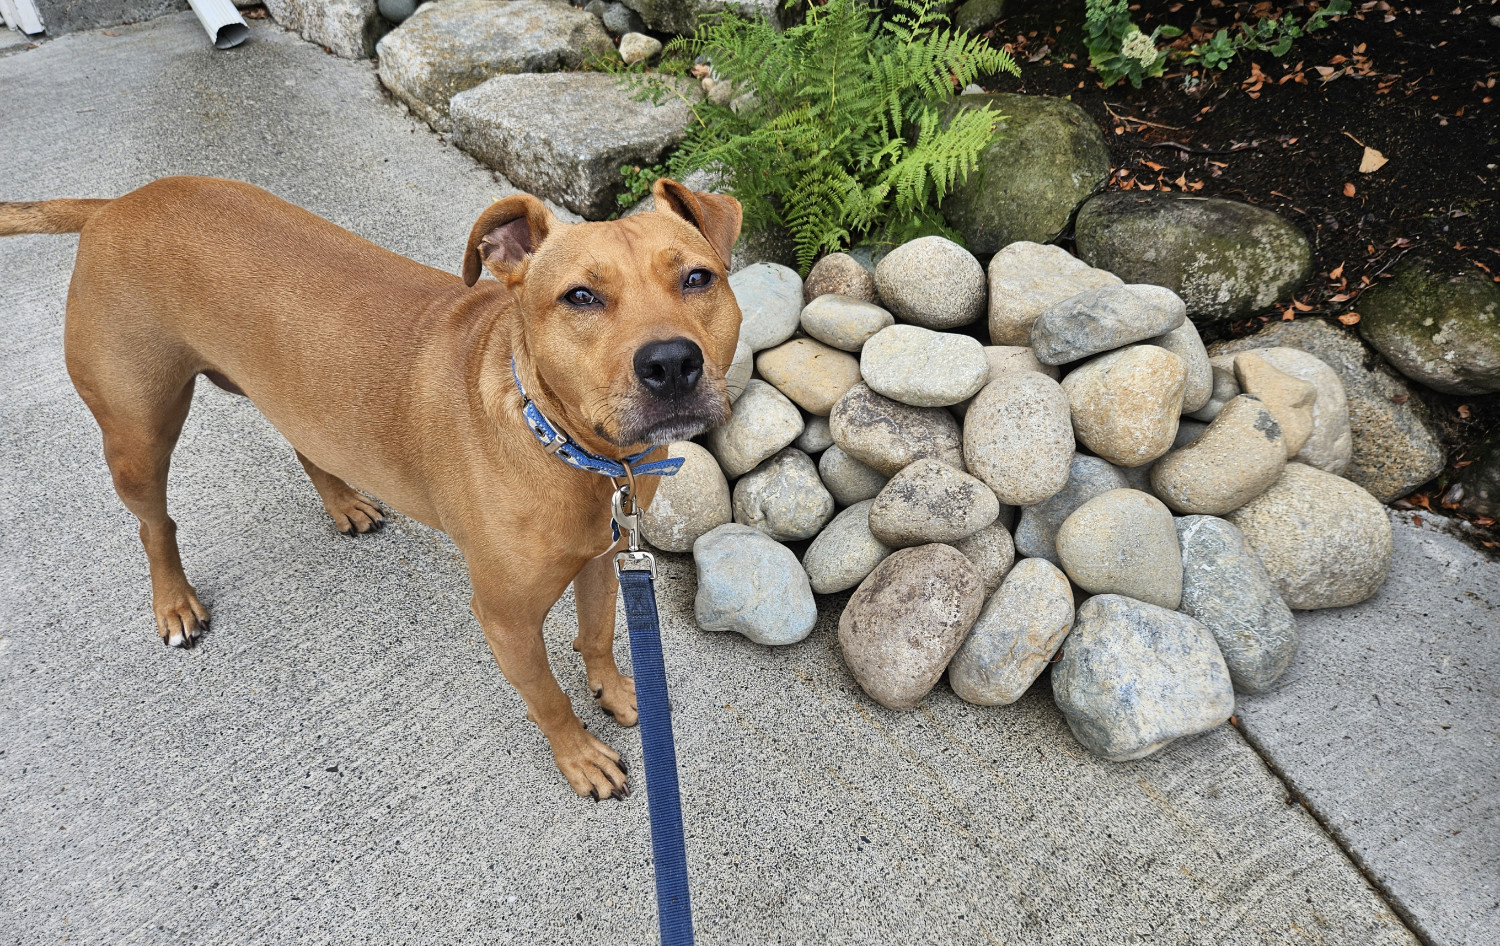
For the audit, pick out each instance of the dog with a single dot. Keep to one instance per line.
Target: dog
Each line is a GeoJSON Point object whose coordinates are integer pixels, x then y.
{"type": "Point", "coordinates": [403, 382]}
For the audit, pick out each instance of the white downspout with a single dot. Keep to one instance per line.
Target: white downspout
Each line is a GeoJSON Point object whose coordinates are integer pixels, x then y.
{"type": "Point", "coordinates": [22, 15]}
{"type": "Point", "coordinates": [225, 26]}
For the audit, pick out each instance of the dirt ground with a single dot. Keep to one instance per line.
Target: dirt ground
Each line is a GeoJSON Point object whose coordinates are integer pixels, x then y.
{"type": "Point", "coordinates": [1419, 83]}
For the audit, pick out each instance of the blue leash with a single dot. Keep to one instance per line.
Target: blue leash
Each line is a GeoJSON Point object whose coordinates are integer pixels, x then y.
{"type": "Point", "coordinates": [636, 570]}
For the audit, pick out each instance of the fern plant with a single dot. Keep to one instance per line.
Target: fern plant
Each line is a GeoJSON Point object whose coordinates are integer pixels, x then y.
{"type": "Point", "coordinates": [836, 130]}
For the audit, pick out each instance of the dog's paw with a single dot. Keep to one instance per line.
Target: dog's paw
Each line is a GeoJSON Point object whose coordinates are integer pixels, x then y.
{"type": "Point", "coordinates": [180, 617]}
{"type": "Point", "coordinates": [616, 696]}
{"type": "Point", "coordinates": [353, 514]}
{"type": "Point", "coordinates": [593, 769]}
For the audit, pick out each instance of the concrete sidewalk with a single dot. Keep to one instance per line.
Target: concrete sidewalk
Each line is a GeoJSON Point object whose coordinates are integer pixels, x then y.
{"type": "Point", "coordinates": [341, 761]}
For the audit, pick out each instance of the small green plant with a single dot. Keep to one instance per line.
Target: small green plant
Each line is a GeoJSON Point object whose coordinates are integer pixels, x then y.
{"type": "Point", "coordinates": [837, 129]}
{"type": "Point", "coordinates": [1117, 47]}
{"type": "Point", "coordinates": [1266, 35]}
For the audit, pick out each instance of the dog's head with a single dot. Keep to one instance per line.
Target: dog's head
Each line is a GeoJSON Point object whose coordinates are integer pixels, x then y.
{"type": "Point", "coordinates": [627, 326]}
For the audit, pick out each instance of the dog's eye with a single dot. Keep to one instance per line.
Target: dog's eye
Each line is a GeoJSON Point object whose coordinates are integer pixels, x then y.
{"type": "Point", "coordinates": [698, 279]}
{"type": "Point", "coordinates": [579, 296]}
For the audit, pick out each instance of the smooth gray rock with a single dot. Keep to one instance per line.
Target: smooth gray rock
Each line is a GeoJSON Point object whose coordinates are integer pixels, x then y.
{"type": "Point", "coordinates": [1394, 447]}
{"type": "Point", "coordinates": [928, 501]}
{"type": "Point", "coordinates": [638, 47]}
{"type": "Point", "coordinates": [1325, 541]}
{"type": "Point", "coordinates": [1047, 156]}
{"type": "Point", "coordinates": [688, 504]}
{"type": "Point", "coordinates": [446, 48]}
{"type": "Point", "coordinates": [681, 16]}
{"type": "Point", "coordinates": [1021, 627]}
{"type": "Point", "coordinates": [906, 620]}
{"type": "Point", "coordinates": [1036, 533]}
{"type": "Point", "coordinates": [1187, 432]}
{"type": "Point", "coordinates": [1026, 279]}
{"type": "Point", "coordinates": [932, 282]}
{"type": "Point", "coordinates": [1104, 319]}
{"type": "Point", "coordinates": [397, 11]}
{"type": "Point", "coordinates": [1235, 459]}
{"type": "Point", "coordinates": [1133, 677]}
{"type": "Point", "coordinates": [1225, 259]}
{"type": "Point", "coordinates": [1226, 587]}
{"type": "Point", "coordinates": [762, 423]}
{"type": "Point", "coordinates": [1330, 445]}
{"type": "Point", "coordinates": [992, 551]}
{"type": "Point", "coordinates": [770, 300]}
{"type": "Point", "coordinates": [1017, 437]}
{"type": "Point", "coordinates": [1226, 387]}
{"type": "Point", "coordinates": [1123, 542]}
{"type": "Point", "coordinates": [740, 370]}
{"type": "Point", "coordinates": [1126, 403]}
{"type": "Point", "coordinates": [844, 552]}
{"type": "Point", "coordinates": [1440, 330]}
{"type": "Point", "coordinates": [887, 435]}
{"type": "Point", "coordinates": [812, 374]}
{"type": "Point", "coordinates": [1198, 384]}
{"type": "Point", "coordinates": [753, 585]}
{"type": "Point", "coordinates": [621, 21]}
{"type": "Point", "coordinates": [844, 321]}
{"type": "Point", "coordinates": [539, 130]}
{"type": "Point", "coordinates": [816, 436]}
{"type": "Point", "coordinates": [923, 368]}
{"type": "Point", "coordinates": [783, 498]}
{"type": "Point", "coordinates": [839, 274]}
{"type": "Point", "coordinates": [350, 28]}
{"type": "Point", "coordinates": [849, 480]}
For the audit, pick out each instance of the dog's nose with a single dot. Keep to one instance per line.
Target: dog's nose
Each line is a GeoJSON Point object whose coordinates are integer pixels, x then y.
{"type": "Point", "coordinates": [669, 369]}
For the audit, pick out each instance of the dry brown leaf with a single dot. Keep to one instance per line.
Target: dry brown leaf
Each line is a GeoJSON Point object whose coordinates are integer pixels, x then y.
{"type": "Point", "coordinates": [1301, 307]}
{"type": "Point", "coordinates": [1337, 271]}
{"type": "Point", "coordinates": [1154, 166]}
{"type": "Point", "coordinates": [1348, 190]}
{"type": "Point", "coordinates": [1349, 318]}
{"type": "Point", "coordinates": [1372, 161]}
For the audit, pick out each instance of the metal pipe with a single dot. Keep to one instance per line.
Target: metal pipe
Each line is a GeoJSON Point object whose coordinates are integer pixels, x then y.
{"type": "Point", "coordinates": [225, 26]}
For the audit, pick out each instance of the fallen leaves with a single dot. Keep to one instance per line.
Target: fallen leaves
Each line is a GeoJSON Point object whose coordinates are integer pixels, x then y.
{"type": "Point", "coordinates": [1348, 190]}
{"type": "Point", "coordinates": [1349, 318]}
{"type": "Point", "coordinates": [1338, 272]}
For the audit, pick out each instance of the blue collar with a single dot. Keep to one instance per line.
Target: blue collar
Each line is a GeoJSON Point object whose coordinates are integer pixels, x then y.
{"type": "Point", "coordinates": [557, 443]}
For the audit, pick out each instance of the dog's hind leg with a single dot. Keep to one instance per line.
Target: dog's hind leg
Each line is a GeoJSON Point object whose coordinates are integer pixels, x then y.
{"type": "Point", "coordinates": [595, 588]}
{"type": "Point", "coordinates": [352, 513]}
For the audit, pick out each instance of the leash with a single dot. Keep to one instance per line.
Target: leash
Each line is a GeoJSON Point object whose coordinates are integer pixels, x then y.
{"type": "Point", "coordinates": [636, 570]}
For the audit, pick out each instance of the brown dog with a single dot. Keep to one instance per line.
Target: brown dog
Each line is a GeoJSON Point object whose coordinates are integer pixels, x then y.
{"type": "Point", "coordinates": [395, 379]}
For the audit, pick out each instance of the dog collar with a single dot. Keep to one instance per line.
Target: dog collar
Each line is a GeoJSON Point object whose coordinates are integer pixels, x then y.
{"type": "Point", "coordinates": [557, 443]}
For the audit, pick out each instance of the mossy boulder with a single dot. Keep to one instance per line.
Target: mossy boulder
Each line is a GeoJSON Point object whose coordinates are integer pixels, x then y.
{"type": "Point", "coordinates": [1442, 331]}
{"type": "Point", "coordinates": [1048, 156]}
{"type": "Point", "coordinates": [1481, 478]}
{"type": "Point", "coordinates": [681, 16]}
{"type": "Point", "coordinates": [1227, 260]}
{"type": "Point", "coordinates": [976, 16]}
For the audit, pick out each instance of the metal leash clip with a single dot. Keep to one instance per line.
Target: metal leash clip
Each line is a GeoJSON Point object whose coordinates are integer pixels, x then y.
{"type": "Point", "coordinates": [628, 520]}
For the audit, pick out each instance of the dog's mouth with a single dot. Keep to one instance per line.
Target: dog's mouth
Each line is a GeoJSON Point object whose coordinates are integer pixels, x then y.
{"type": "Point", "coordinates": [657, 423]}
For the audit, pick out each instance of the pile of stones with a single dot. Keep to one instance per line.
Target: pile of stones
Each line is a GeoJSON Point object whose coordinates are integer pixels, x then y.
{"type": "Point", "coordinates": [1091, 491]}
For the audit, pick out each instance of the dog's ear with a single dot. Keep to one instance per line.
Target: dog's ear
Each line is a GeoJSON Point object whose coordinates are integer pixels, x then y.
{"type": "Point", "coordinates": [505, 234]}
{"type": "Point", "coordinates": [716, 217]}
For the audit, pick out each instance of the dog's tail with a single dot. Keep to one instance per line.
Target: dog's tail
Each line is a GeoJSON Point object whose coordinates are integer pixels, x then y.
{"type": "Point", "coordinates": [46, 216]}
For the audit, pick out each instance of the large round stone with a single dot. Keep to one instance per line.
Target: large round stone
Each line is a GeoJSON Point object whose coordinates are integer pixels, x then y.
{"type": "Point", "coordinates": [1016, 635]}
{"type": "Point", "coordinates": [1134, 676]}
{"type": "Point", "coordinates": [903, 624]}
{"type": "Point", "coordinates": [887, 435]}
{"type": "Point", "coordinates": [1289, 399]}
{"type": "Point", "coordinates": [770, 299]}
{"type": "Point", "coordinates": [1236, 459]}
{"type": "Point", "coordinates": [1026, 279]}
{"type": "Point", "coordinates": [1104, 319]}
{"type": "Point", "coordinates": [923, 368]}
{"type": "Point", "coordinates": [688, 504]}
{"type": "Point", "coordinates": [753, 585]}
{"type": "Point", "coordinates": [1036, 534]}
{"type": "Point", "coordinates": [1123, 542]}
{"type": "Point", "coordinates": [1006, 358]}
{"type": "Point", "coordinates": [1326, 542]}
{"type": "Point", "coordinates": [1047, 157]}
{"type": "Point", "coordinates": [849, 480]}
{"type": "Point", "coordinates": [1443, 332]}
{"type": "Point", "coordinates": [992, 551]}
{"type": "Point", "coordinates": [844, 322]}
{"type": "Point", "coordinates": [812, 374]}
{"type": "Point", "coordinates": [839, 274]}
{"type": "Point", "coordinates": [1225, 259]}
{"type": "Point", "coordinates": [1126, 403]}
{"type": "Point", "coordinates": [1226, 587]}
{"type": "Point", "coordinates": [844, 552]}
{"type": "Point", "coordinates": [1017, 438]}
{"type": "Point", "coordinates": [1330, 445]}
{"type": "Point", "coordinates": [928, 501]}
{"type": "Point", "coordinates": [763, 422]}
{"type": "Point", "coordinates": [932, 282]}
{"type": "Point", "coordinates": [1198, 384]}
{"type": "Point", "coordinates": [783, 498]}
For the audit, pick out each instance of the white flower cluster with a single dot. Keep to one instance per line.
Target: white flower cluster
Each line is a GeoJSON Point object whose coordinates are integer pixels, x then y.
{"type": "Point", "coordinates": [1139, 46]}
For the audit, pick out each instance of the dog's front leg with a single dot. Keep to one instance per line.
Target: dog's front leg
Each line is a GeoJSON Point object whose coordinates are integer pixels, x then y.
{"type": "Point", "coordinates": [595, 589]}
{"type": "Point", "coordinates": [511, 610]}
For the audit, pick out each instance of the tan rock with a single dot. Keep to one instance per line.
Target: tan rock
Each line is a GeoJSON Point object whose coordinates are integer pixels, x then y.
{"type": "Point", "coordinates": [1290, 400]}
{"type": "Point", "coordinates": [1126, 403]}
{"type": "Point", "coordinates": [1236, 459]}
{"type": "Point", "coordinates": [812, 374]}
{"type": "Point", "coordinates": [842, 275]}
